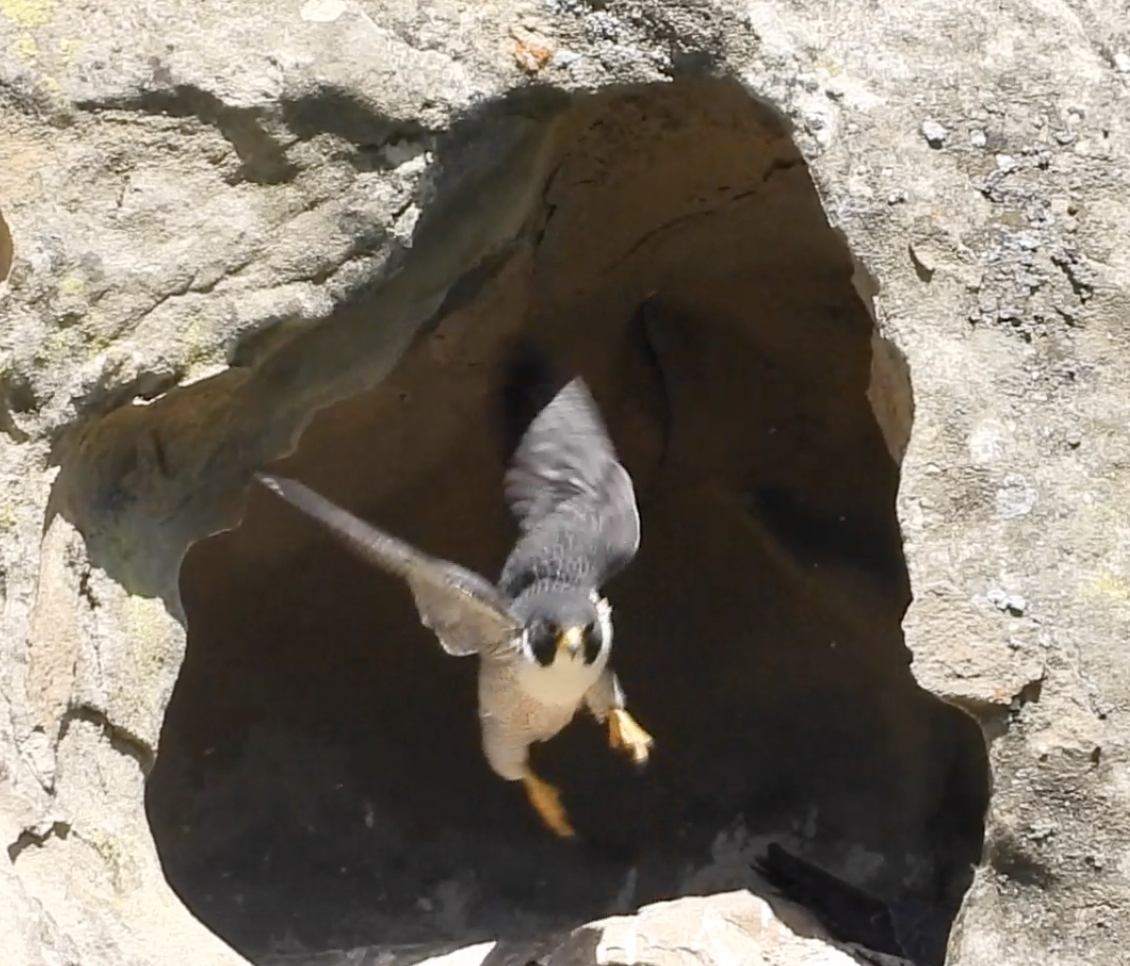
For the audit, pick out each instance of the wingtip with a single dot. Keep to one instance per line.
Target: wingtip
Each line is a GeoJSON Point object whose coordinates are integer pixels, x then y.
{"type": "Point", "coordinates": [270, 482]}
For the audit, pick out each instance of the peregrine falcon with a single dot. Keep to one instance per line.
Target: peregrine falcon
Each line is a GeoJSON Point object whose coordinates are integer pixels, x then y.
{"type": "Point", "coordinates": [544, 633]}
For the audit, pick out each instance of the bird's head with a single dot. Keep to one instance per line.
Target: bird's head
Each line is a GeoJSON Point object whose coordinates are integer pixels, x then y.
{"type": "Point", "coordinates": [564, 625]}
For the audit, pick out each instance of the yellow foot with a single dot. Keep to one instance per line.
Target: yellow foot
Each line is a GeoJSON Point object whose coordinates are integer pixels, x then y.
{"type": "Point", "coordinates": [624, 732]}
{"type": "Point", "coordinates": [546, 799]}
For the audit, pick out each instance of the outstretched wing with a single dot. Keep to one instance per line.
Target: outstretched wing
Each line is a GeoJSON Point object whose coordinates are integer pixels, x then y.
{"type": "Point", "coordinates": [467, 613]}
{"type": "Point", "coordinates": [571, 496]}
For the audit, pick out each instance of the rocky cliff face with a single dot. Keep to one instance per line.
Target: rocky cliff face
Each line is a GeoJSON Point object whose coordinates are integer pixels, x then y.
{"type": "Point", "coordinates": [850, 285]}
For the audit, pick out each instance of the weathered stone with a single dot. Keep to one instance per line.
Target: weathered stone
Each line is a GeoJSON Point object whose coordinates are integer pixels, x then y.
{"type": "Point", "coordinates": [221, 217]}
{"type": "Point", "coordinates": [727, 928]}
{"type": "Point", "coordinates": [730, 927]}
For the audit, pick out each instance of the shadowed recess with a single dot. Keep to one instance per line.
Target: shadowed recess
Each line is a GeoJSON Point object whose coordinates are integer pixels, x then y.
{"type": "Point", "coordinates": [7, 250]}
{"type": "Point", "coordinates": [320, 783]}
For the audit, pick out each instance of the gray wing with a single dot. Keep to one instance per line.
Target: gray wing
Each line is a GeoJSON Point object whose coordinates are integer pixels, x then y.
{"type": "Point", "coordinates": [572, 498]}
{"type": "Point", "coordinates": [465, 611]}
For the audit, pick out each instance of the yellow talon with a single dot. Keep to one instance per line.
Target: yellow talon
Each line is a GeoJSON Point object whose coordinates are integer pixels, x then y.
{"type": "Point", "coordinates": [624, 732]}
{"type": "Point", "coordinates": [547, 801]}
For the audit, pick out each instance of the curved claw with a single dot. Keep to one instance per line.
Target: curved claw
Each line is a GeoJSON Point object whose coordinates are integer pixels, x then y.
{"type": "Point", "coordinates": [625, 733]}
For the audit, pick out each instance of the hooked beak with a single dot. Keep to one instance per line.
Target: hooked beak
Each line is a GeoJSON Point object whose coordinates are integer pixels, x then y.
{"type": "Point", "coordinates": [570, 641]}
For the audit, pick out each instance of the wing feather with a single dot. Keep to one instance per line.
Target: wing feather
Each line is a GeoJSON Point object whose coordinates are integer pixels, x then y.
{"type": "Point", "coordinates": [465, 611]}
{"type": "Point", "coordinates": [573, 499]}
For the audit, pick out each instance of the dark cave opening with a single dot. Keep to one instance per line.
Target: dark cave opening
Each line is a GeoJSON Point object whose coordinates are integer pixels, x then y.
{"type": "Point", "coordinates": [320, 782]}
{"type": "Point", "coordinates": [7, 250]}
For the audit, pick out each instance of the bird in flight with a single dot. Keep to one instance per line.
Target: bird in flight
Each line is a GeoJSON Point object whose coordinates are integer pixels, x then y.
{"type": "Point", "coordinates": [543, 633]}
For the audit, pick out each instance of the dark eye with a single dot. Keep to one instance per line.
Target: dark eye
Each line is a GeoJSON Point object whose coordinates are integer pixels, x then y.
{"type": "Point", "coordinates": [543, 642]}
{"type": "Point", "coordinates": [594, 641]}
